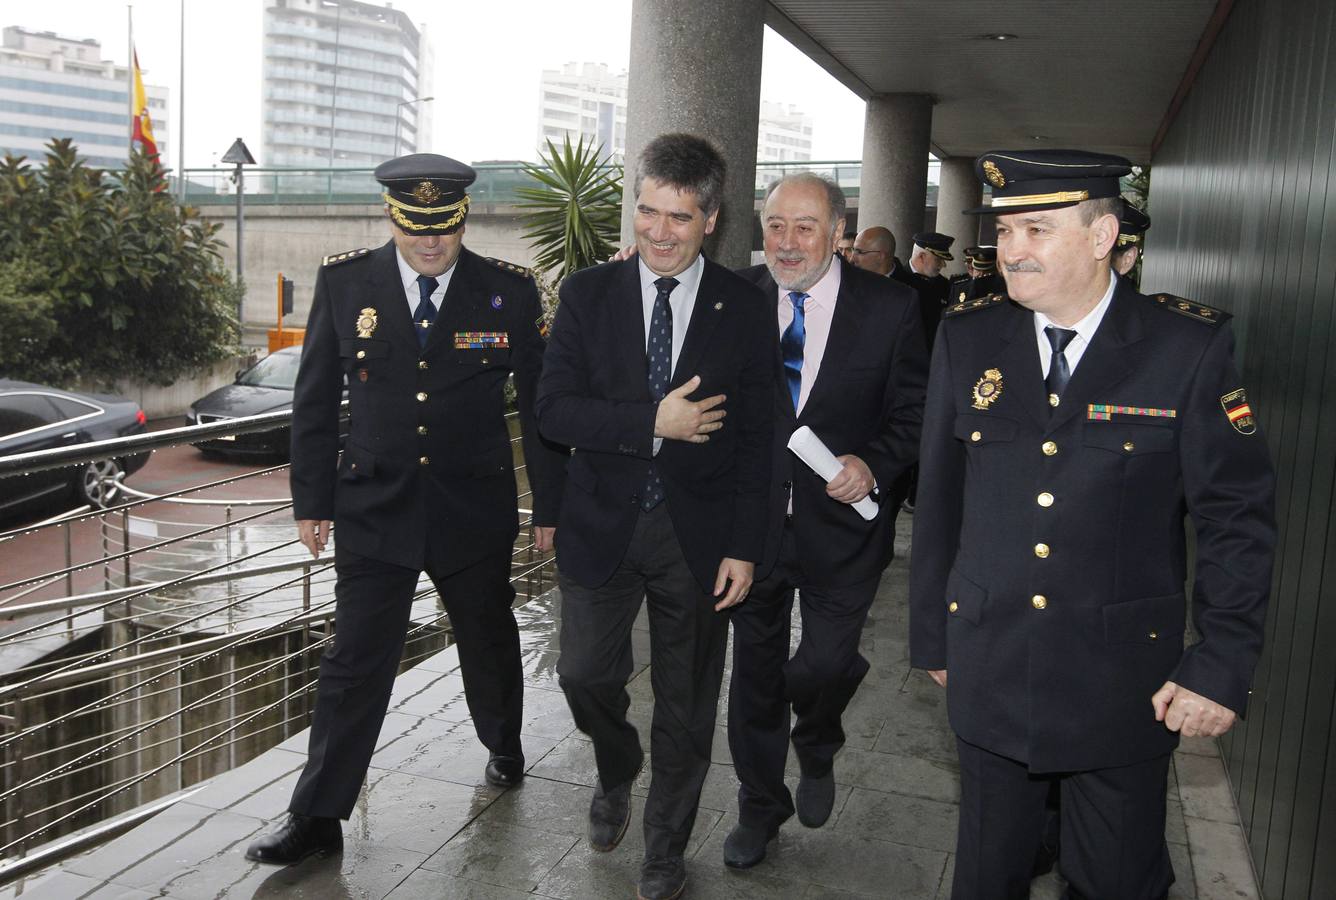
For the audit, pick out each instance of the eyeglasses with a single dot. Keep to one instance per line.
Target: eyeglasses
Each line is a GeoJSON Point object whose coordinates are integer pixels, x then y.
{"type": "Point", "coordinates": [857, 252]}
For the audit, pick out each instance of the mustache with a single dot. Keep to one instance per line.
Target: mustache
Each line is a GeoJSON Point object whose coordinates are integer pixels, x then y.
{"type": "Point", "coordinates": [1023, 267]}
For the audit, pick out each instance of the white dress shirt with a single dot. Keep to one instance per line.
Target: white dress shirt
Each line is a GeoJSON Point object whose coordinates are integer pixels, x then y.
{"type": "Point", "coordinates": [1085, 332]}
{"type": "Point", "coordinates": [410, 280]}
{"type": "Point", "coordinates": [818, 311]}
{"type": "Point", "coordinates": [682, 301]}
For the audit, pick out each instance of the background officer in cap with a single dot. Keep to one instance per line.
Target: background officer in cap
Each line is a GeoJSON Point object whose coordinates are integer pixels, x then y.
{"type": "Point", "coordinates": [426, 334]}
{"type": "Point", "coordinates": [1067, 432]}
{"type": "Point", "coordinates": [932, 251]}
{"type": "Point", "coordinates": [980, 277]}
{"type": "Point", "coordinates": [1132, 227]}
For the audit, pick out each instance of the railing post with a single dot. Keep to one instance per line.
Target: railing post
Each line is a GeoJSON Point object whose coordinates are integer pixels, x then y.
{"type": "Point", "coordinates": [69, 579]}
{"type": "Point", "coordinates": [125, 545]}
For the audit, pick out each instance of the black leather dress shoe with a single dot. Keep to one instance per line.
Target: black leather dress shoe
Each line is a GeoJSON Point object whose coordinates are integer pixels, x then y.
{"type": "Point", "coordinates": [662, 878]}
{"type": "Point", "coordinates": [815, 799]}
{"type": "Point", "coordinates": [301, 837]}
{"type": "Point", "coordinates": [745, 846]}
{"type": "Point", "coordinates": [504, 771]}
{"type": "Point", "coordinates": [609, 814]}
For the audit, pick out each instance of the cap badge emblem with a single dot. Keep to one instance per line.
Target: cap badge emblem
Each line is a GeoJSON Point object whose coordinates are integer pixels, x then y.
{"type": "Point", "coordinates": [993, 174]}
{"type": "Point", "coordinates": [366, 322]}
{"type": "Point", "coordinates": [987, 389]}
{"type": "Point", "coordinates": [426, 192]}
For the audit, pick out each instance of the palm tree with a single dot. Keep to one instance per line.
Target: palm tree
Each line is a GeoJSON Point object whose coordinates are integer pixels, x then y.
{"type": "Point", "coordinates": [576, 208]}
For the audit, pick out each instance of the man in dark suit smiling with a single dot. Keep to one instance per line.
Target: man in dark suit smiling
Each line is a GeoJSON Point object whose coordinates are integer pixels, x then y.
{"type": "Point", "coordinates": [666, 496]}
{"type": "Point", "coordinates": [854, 370]}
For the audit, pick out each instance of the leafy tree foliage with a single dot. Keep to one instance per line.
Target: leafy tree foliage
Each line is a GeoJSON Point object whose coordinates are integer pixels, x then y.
{"type": "Point", "coordinates": [103, 276]}
{"type": "Point", "coordinates": [576, 208]}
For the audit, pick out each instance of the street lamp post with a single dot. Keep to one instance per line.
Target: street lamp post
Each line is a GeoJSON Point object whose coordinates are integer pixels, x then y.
{"type": "Point", "coordinates": [241, 156]}
{"type": "Point", "coordinates": [398, 110]}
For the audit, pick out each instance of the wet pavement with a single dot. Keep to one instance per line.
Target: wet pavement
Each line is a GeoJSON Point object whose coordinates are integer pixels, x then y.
{"type": "Point", "coordinates": [428, 826]}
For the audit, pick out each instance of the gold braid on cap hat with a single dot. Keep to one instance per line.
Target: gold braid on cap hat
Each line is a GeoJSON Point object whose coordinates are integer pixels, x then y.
{"type": "Point", "coordinates": [460, 208]}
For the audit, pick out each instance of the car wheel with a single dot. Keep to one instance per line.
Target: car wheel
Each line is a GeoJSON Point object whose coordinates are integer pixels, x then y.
{"type": "Point", "coordinates": [99, 483]}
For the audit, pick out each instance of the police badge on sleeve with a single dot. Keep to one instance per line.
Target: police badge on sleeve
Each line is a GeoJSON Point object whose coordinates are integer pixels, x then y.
{"type": "Point", "coordinates": [1239, 413]}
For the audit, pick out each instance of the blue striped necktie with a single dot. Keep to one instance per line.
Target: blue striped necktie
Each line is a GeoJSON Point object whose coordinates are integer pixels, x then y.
{"type": "Point", "coordinates": [791, 344]}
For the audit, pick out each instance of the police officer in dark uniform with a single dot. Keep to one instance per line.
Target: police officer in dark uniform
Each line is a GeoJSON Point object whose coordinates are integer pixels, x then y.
{"type": "Point", "coordinates": [1132, 228]}
{"type": "Point", "coordinates": [426, 334]}
{"type": "Point", "coordinates": [980, 277]}
{"type": "Point", "coordinates": [932, 251]}
{"type": "Point", "coordinates": [1068, 431]}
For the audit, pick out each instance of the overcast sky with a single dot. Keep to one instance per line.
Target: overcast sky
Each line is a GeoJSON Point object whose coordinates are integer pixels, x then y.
{"type": "Point", "coordinates": [489, 56]}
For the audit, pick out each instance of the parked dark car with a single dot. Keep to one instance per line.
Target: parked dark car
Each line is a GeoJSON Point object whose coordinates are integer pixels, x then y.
{"type": "Point", "coordinates": [265, 387]}
{"type": "Point", "coordinates": [34, 417]}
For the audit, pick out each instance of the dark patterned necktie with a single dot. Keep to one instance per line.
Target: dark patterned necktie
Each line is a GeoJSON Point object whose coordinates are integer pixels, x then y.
{"type": "Point", "coordinates": [426, 311]}
{"type": "Point", "coordinates": [1059, 373]}
{"type": "Point", "coordinates": [791, 344]}
{"type": "Point", "coordinates": [659, 363]}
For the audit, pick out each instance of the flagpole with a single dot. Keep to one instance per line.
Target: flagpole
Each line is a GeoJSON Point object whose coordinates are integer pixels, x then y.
{"type": "Point", "coordinates": [181, 115]}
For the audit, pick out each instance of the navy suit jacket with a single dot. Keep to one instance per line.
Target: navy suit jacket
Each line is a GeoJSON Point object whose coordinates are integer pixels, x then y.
{"type": "Point", "coordinates": [428, 463]}
{"type": "Point", "coordinates": [594, 397]}
{"type": "Point", "coordinates": [868, 401]}
{"type": "Point", "coordinates": [1049, 562]}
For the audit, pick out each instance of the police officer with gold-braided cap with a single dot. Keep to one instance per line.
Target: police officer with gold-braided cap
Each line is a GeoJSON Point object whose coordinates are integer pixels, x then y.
{"type": "Point", "coordinates": [425, 334]}
{"type": "Point", "coordinates": [1070, 426]}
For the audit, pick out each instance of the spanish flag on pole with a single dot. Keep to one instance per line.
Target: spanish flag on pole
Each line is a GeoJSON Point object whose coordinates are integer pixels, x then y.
{"type": "Point", "coordinates": [141, 128]}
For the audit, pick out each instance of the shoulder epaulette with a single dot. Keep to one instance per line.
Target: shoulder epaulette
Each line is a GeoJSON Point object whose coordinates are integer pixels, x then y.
{"type": "Point", "coordinates": [1193, 310]}
{"type": "Point", "coordinates": [336, 258]}
{"type": "Point", "coordinates": [509, 267]}
{"type": "Point", "coordinates": [958, 289]}
{"type": "Point", "coordinates": [977, 303]}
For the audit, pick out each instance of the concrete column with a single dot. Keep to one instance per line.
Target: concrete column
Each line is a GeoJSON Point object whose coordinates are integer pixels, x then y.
{"type": "Point", "coordinates": [894, 188]}
{"type": "Point", "coordinates": [696, 67]}
{"type": "Point", "coordinates": [959, 190]}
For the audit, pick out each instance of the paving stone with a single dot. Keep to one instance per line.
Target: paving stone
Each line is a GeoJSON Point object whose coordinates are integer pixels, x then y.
{"type": "Point", "coordinates": [446, 661]}
{"type": "Point", "coordinates": [917, 728]}
{"type": "Point", "coordinates": [916, 821]}
{"type": "Point", "coordinates": [65, 885]}
{"type": "Point", "coordinates": [1203, 787]}
{"type": "Point", "coordinates": [836, 859]}
{"type": "Point", "coordinates": [1175, 831]}
{"type": "Point", "coordinates": [1185, 880]}
{"type": "Point", "coordinates": [932, 779]}
{"type": "Point", "coordinates": [424, 693]}
{"type": "Point", "coordinates": [427, 885]}
{"type": "Point", "coordinates": [1199, 746]}
{"type": "Point", "coordinates": [260, 788]}
{"type": "Point", "coordinates": [1223, 870]}
{"type": "Point", "coordinates": [412, 812]}
{"type": "Point", "coordinates": [449, 751]}
{"type": "Point", "coordinates": [507, 856]}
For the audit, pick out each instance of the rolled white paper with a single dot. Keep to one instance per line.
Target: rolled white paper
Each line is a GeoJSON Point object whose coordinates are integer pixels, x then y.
{"type": "Point", "coordinates": [810, 449]}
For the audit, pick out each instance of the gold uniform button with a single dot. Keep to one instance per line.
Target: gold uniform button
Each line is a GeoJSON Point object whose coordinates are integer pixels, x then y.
{"type": "Point", "coordinates": [953, 606]}
{"type": "Point", "coordinates": [422, 396]}
{"type": "Point", "coordinates": [422, 364]}
{"type": "Point", "coordinates": [1041, 551]}
{"type": "Point", "coordinates": [1049, 448]}
{"type": "Point", "coordinates": [422, 429]}
{"type": "Point", "coordinates": [424, 460]}
{"type": "Point", "coordinates": [1045, 499]}
{"type": "Point", "coordinates": [361, 354]}
{"type": "Point", "coordinates": [1039, 601]}
{"type": "Point", "coordinates": [976, 436]}
{"type": "Point", "coordinates": [1129, 446]}
{"type": "Point", "coordinates": [1052, 399]}
{"type": "Point", "coordinates": [1154, 636]}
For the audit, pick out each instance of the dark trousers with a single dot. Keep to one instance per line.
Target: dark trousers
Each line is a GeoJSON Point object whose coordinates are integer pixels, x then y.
{"type": "Point", "coordinates": [373, 603]}
{"type": "Point", "coordinates": [1112, 829]}
{"type": "Point", "coordinates": [687, 641]}
{"type": "Point", "coordinates": [818, 681]}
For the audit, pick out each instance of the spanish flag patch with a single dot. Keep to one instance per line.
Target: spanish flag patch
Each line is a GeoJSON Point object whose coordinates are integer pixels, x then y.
{"type": "Point", "coordinates": [1239, 413]}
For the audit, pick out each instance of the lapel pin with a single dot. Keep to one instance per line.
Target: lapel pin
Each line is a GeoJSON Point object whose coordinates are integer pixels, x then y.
{"type": "Point", "coordinates": [496, 301]}
{"type": "Point", "coordinates": [719, 306]}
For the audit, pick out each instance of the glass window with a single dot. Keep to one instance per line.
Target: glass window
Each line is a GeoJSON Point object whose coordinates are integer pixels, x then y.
{"type": "Point", "coordinates": [21, 412]}
{"type": "Point", "coordinates": [277, 370]}
{"type": "Point", "coordinates": [70, 408]}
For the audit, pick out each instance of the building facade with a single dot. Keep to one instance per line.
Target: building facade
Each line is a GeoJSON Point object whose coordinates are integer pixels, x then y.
{"type": "Point", "coordinates": [59, 87]}
{"type": "Point", "coordinates": [344, 84]}
{"type": "Point", "coordinates": [588, 100]}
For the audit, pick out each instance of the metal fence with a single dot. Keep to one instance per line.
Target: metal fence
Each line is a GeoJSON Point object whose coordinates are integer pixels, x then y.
{"type": "Point", "coordinates": [496, 183]}
{"type": "Point", "coordinates": [179, 639]}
